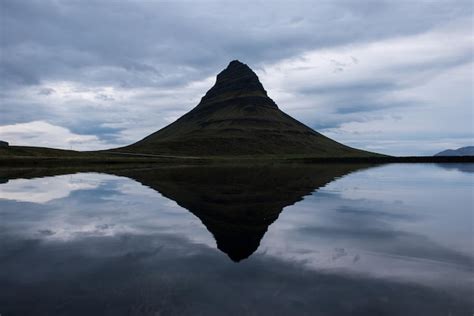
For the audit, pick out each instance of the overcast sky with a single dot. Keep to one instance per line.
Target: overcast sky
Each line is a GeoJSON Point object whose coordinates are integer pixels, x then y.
{"type": "Point", "coordinates": [389, 76]}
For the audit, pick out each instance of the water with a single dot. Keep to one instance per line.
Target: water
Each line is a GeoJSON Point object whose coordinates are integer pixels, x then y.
{"type": "Point", "coordinates": [323, 240]}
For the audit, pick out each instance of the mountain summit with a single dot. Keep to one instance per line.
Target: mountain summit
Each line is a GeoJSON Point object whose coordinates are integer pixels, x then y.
{"type": "Point", "coordinates": [237, 118]}
{"type": "Point", "coordinates": [236, 81]}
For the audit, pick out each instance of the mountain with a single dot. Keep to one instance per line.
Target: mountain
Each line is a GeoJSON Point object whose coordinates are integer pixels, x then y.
{"type": "Point", "coordinates": [463, 151]}
{"type": "Point", "coordinates": [236, 117]}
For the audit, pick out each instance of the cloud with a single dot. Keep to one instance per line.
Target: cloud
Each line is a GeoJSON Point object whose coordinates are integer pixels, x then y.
{"type": "Point", "coordinates": [136, 43]}
{"type": "Point", "coordinates": [43, 134]}
{"type": "Point", "coordinates": [46, 91]}
{"type": "Point", "coordinates": [417, 87]}
{"type": "Point", "coordinates": [43, 190]}
{"type": "Point", "coordinates": [138, 64]}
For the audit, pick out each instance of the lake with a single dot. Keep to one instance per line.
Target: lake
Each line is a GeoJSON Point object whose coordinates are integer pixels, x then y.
{"type": "Point", "coordinates": [338, 239]}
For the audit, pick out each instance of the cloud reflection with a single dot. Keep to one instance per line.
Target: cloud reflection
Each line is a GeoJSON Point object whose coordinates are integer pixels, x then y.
{"type": "Point", "coordinates": [370, 239]}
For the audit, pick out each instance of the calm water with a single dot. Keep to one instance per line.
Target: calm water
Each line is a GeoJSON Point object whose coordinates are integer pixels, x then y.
{"type": "Point", "coordinates": [329, 240]}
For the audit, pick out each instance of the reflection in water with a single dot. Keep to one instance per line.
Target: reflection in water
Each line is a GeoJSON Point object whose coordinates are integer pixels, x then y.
{"type": "Point", "coordinates": [463, 167]}
{"type": "Point", "coordinates": [238, 204]}
{"type": "Point", "coordinates": [369, 244]}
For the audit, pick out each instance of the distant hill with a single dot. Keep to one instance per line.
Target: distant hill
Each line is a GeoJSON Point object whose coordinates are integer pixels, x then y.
{"type": "Point", "coordinates": [237, 118]}
{"type": "Point", "coordinates": [28, 151]}
{"type": "Point", "coordinates": [463, 151]}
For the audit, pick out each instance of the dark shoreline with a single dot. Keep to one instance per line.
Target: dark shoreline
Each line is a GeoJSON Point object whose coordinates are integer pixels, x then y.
{"type": "Point", "coordinates": [14, 161]}
{"type": "Point", "coordinates": [389, 159]}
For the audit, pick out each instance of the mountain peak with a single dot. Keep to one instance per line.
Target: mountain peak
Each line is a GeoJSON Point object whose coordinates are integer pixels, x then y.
{"type": "Point", "coordinates": [237, 118]}
{"type": "Point", "coordinates": [236, 81]}
{"type": "Point", "coordinates": [236, 63]}
{"type": "Point", "coordinates": [236, 67]}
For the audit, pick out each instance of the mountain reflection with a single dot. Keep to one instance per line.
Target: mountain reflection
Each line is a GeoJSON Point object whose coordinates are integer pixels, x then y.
{"type": "Point", "coordinates": [105, 242]}
{"type": "Point", "coordinates": [236, 204]}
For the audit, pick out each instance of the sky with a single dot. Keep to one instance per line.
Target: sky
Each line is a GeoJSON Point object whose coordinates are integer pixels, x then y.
{"type": "Point", "coordinates": [395, 77]}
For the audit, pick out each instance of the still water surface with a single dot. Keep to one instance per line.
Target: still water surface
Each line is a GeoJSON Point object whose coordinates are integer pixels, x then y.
{"type": "Point", "coordinates": [303, 240]}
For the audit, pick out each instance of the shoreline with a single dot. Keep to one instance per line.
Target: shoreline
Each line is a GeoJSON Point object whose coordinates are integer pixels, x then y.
{"type": "Point", "coordinates": [32, 161]}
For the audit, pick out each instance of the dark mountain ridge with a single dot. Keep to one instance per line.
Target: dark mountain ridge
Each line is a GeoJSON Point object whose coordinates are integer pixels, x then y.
{"type": "Point", "coordinates": [236, 117]}
{"type": "Point", "coordinates": [463, 151]}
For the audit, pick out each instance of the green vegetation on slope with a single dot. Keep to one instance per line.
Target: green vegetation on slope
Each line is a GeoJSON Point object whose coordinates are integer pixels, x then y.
{"type": "Point", "coordinates": [237, 118]}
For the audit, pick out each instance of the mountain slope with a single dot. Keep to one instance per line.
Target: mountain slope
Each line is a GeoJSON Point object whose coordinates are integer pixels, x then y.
{"type": "Point", "coordinates": [236, 117]}
{"type": "Point", "coordinates": [463, 151]}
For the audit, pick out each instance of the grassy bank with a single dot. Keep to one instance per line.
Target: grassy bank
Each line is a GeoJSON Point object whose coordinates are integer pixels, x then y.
{"type": "Point", "coordinates": [36, 156]}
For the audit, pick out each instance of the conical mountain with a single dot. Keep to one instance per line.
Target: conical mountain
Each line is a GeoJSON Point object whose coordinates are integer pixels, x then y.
{"type": "Point", "coordinates": [237, 118]}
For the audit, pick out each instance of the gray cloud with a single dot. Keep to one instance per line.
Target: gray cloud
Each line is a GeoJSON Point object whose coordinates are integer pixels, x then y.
{"type": "Point", "coordinates": [46, 91]}
{"type": "Point", "coordinates": [47, 39]}
{"type": "Point", "coordinates": [145, 48]}
{"type": "Point", "coordinates": [350, 88]}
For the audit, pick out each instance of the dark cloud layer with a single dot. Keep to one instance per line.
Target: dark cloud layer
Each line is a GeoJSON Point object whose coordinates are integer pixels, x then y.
{"type": "Point", "coordinates": [142, 46]}
{"type": "Point", "coordinates": [135, 44]}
